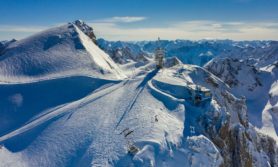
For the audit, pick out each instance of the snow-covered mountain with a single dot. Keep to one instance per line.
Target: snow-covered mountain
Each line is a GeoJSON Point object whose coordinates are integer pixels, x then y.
{"type": "Point", "coordinates": [60, 51]}
{"type": "Point", "coordinates": [257, 84]}
{"type": "Point", "coordinates": [65, 102]}
{"type": "Point", "coordinates": [5, 44]}
{"type": "Point", "coordinates": [200, 52]}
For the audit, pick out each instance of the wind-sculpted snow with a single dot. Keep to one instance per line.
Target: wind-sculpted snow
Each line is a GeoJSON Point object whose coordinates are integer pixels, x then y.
{"type": "Point", "coordinates": [146, 112]}
{"type": "Point", "coordinates": [95, 123]}
{"type": "Point", "coordinates": [56, 52]}
{"type": "Point", "coordinates": [22, 102]}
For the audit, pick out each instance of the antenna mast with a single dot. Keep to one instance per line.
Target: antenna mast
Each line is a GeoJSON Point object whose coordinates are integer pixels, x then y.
{"type": "Point", "coordinates": [159, 55]}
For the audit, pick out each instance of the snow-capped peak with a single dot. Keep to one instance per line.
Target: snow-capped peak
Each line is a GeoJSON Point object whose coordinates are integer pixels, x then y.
{"type": "Point", "coordinates": [56, 52]}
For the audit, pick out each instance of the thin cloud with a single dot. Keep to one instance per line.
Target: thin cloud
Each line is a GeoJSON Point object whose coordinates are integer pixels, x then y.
{"type": "Point", "coordinates": [128, 19]}
{"type": "Point", "coordinates": [116, 29]}
{"type": "Point", "coordinates": [125, 19]}
{"type": "Point", "coordinates": [194, 30]}
{"type": "Point", "coordinates": [13, 28]}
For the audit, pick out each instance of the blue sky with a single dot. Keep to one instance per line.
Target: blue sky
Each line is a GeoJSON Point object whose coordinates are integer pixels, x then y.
{"type": "Point", "coordinates": [145, 19]}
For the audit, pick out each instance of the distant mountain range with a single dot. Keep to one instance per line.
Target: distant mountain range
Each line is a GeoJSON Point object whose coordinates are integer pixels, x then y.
{"type": "Point", "coordinates": [193, 52]}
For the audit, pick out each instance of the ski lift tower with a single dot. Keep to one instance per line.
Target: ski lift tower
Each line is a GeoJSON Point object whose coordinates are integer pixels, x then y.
{"type": "Point", "coordinates": [159, 55]}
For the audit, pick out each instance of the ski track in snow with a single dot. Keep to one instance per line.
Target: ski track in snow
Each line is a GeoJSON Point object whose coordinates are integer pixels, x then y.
{"type": "Point", "coordinates": [138, 89]}
{"type": "Point", "coordinates": [117, 101]}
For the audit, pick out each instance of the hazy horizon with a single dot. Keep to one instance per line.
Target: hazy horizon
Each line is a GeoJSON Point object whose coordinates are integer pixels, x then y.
{"type": "Point", "coordinates": [137, 20]}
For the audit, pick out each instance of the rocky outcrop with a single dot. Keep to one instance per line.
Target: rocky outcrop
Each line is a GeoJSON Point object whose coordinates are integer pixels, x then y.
{"type": "Point", "coordinates": [225, 122]}
{"type": "Point", "coordinates": [239, 143]}
{"type": "Point", "coordinates": [4, 45]}
{"type": "Point", "coordinates": [124, 52]}
{"type": "Point", "coordinates": [234, 71]}
{"type": "Point", "coordinates": [86, 29]}
{"type": "Point", "coordinates": [125, 55]}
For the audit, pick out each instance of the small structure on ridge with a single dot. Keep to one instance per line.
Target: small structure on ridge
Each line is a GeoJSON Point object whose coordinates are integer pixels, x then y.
{"type": "Point", "coordinates": [159, 55]}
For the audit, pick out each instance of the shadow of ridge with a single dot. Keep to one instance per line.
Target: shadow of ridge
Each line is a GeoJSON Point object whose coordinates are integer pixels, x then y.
{"type": "Point", "coordinates": [147, 78]}
{"type": "Point", "coordinates": [139, 89]}
{"type": "Point", "coordinates": [22, 102]}
{"type": "Point", "coordinates": [22, 141]}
